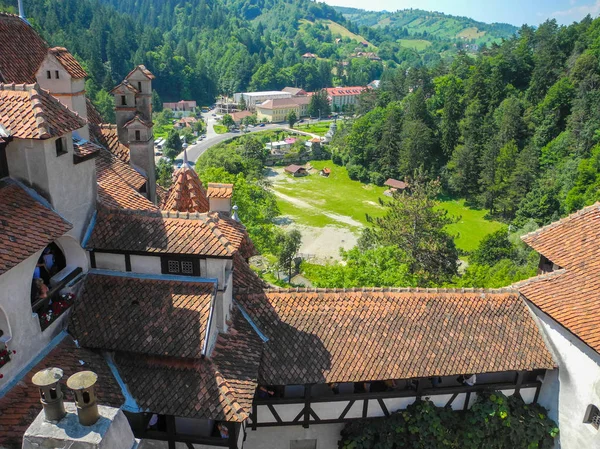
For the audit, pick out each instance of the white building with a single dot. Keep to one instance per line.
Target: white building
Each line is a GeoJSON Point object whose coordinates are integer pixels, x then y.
{"type": "Point", "coordinates": [253, 99]}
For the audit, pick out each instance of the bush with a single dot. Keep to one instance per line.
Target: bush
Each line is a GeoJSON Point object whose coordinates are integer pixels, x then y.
{"type": "Point", "coordinates": [494, 421]}
{"type": "Point", "coordinates": [377, 178]}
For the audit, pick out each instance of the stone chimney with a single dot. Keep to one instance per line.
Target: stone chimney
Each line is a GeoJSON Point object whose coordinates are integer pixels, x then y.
{"type": "Point", "coordinates": [83, 424]}
{"type": "Point", "coordinates": [51, 397]}
{"type": "Point", "coordinates": [133, 111]}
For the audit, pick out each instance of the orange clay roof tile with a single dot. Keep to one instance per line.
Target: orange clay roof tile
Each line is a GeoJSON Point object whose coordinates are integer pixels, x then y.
{"type": "Point", "coordinates": [187, 193]}
{"type": "Point", "coordinates": [30, 112]}
{"type": "Point", "coordinates": [26, 225]}
{"type": "Point", "coordinates": [67, 60]}
{"type": "Point", "coordinates": [218, 190]}
{"type": "Point", "coordinates": [352, 336]}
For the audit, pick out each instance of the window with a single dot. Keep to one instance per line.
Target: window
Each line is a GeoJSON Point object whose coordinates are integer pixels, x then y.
{"type": "Point", "coordinates": [592, 416]}
{"type": "Point", "coordinates": [49, 74]}
{"type": "Point", "coordinates": [123, 100]}
{"type": "Point", "coordinates": [180, 266]}
{"type": "Point", "coordinates": [61, 146]}
{"type": "Point", "coordinates": [56, 73]}
{"type": "Point", "coordinates": [138, 135]}
{"type": "Point", "coordinates": [140, 86]}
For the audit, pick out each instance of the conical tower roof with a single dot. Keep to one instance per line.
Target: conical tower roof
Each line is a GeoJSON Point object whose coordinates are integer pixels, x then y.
{"type": "Point", "coordinates": [187, 193]}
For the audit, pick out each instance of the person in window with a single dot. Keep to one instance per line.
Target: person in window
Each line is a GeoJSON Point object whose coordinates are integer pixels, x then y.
{"type": "Point", "coordinates": [264, 393]}
{"type": "Point", "coordinates": [49, 262]}
{"type": "Point", "coordinates": [42, 289]}
{"type": "Point", "coordinates": [334, 387]}
{"type": "Point", "coordinates": [223, 430]}
{"type": "Point", "coordinates": [467, 379]}
{"type": "Point", "coordinates": [40, 271]}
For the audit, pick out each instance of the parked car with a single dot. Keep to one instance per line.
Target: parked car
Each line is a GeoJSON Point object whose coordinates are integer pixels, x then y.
{"type": "Point", "coordinates": [185, 145]}
{"type": "Point", "coordinates": [158, 153]}
{"type": "Point", "coordinates": [203, 136]}
{"type": "Point", "coordinates": [262, 125]}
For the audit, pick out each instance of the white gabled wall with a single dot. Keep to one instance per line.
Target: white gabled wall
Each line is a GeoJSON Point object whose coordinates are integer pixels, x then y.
{"type": "Point", "coordinates": [568, 391]}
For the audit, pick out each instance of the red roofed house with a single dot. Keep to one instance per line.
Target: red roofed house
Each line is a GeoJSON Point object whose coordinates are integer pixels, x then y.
{"type": "Point", "coordinates": [341, 97]}
{"type": "Point", "coordinates": [394, 186]}
{"type": "Point", "coordinates": [182, 108]}
{"type": "Point", "coordinates": [296, 170]}
{"type": "Point", "coordinates": [309, 56]}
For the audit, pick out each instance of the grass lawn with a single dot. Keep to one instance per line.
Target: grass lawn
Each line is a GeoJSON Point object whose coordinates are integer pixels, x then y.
{"type": "Point", "coordinates": [161, 132]}
{"type": "Point", "coordinates": [471, 33]}
{"type": "Point", "coordinates": [320, 128]}
{"type": "Point", "coordinates": [337, 194]}
{"type": "Point", "coordinates": [472, 227]}
{"type": "Point", "coordinates": [220, 129]}
{"type": "Point", "coordinates": [336, 28]}
{"type": "Point", "coordinates": [416, 44]}
{"type": "Point", "coordinates": [340, 196]}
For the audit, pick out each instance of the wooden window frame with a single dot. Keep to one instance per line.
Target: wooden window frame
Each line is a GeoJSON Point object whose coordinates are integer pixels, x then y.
{"type": "Point", "coordinates": [61, 146]}
{"type": "Point", "coordinates": [164, 261]}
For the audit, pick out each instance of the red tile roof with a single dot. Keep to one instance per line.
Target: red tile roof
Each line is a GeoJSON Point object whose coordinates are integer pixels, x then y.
{"type": "Point", "coordinates": [109, 139]}
{"type": "Point", "coordinates": [26, 225]}
{"type": "Point", "coordinates": [571, 296]}
{"type": "Point", "coordinates": [140, 119]}
{"type": "Point", "coordinates": [317, 337]}
{"type": "Point", "coordinates": [220, 388]}
{"type": "Point", "coordinates": [20, 406]}
{"type": "Point", "coordinates": [108, 165]}
{"type": "Point", "coordinates": [244, 278]}
{"type": "Point", "coordinates": [395, 184]}
{"type": "Point", "coordinates": [115, 193]}
{"type": "Point", "coordinates": [127, 85]}
{"type": "Point", "coordinates": [144, 70]}
{"type": "Point", "coordinates": [94, 117]}
{"type": "Point", "coordinates": [217, 190]}
{"type": "Point", "coordinates": [67, 60]}
{"type": "Point", "coordinates": [235, 232]}
{"type": "Point", "coordinates": [22, 50]}
{"type": "Point", "coordinates": [187, 193]}
{"type": "Point", "coordinates": [342, 91]}
{"type": "Point", "coordinates": [32, 113]}
{"type": "Point", "coordinates": [144, 316]}
{"type": "Point", "coordinates": [83, 150]}
{"type": "Point", "coordinates": [159, 234]}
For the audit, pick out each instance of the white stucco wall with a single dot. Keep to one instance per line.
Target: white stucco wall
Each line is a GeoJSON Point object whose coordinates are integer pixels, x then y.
{"type": "Point", "coordinates": [145, 264]}
{"type": "Point", "coordinates": [568, 391]}
{"type": "Point", "coordinates": [219, 204]}
{"type": "Point", "coordinates": [109, 261]}
{"type": "Point", "coordinates": [27, 337]}
{"type": "Point", "coordinates": [327, 436]}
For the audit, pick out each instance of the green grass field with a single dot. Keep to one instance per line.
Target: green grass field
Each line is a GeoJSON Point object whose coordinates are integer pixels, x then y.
{"type": "Point", "coordinates": [352, 200]}
{"type": "Point", "coordinates": [161, 132]}
{"type": "Point", "coordinates": [220, 129]}
{"type": "Point", "coordinates": [320, 128]}
{"type": "Point", "coordinates": [336, 28]}
{"type": "Point", "coordinates": [471, 33]}
{"type": "Point", "coordinates": [417, 44]}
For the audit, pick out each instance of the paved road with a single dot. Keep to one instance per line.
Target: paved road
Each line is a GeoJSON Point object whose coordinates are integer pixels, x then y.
{"type": "Point", "coordinates": [212, 138]}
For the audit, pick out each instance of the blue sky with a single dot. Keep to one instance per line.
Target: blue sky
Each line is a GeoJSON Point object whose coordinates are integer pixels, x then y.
{"type": "Point", "coordinates": [516, 12]}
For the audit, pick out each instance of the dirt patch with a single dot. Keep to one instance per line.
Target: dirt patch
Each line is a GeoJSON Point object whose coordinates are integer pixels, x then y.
{"type": "Point", "coordinates": [321, 245]}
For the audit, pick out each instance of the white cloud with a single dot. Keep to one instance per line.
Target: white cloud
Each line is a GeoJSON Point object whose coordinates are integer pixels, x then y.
{"type": "Point", "coordinates": [578, 12]}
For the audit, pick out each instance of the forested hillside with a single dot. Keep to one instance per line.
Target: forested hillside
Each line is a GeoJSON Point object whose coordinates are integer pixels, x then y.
{"type": "Point", "coordinates": [416, 22]}
{"type": "Point", "coordinates": [515, 130]}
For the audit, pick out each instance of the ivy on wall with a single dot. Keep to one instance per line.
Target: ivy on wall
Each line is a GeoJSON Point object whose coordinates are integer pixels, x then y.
{"type": "Point", "coordinates": [494, 422]}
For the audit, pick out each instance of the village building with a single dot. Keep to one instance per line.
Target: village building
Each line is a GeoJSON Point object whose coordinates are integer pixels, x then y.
{"type": "Point", "coordinates": [182, 108]}
{"type": "Point", "coordinates": [295, 91]}
{"type": "Point", "coordinates": [395, 186]}
{"type": "Point", "coordinates": [341, 97]}
{"type": "Point", "coordinates": [296, 170]}
{"type": "Point", "coordinates": [187, 342]}
{"type": "Point", "coordinates": [309, 56]}
{"type": "Point", "coordinates": [253, 99]}
{"type": "Point", "coordinates": [185, 122]}
{"type": "Point", "coordinates": [239, 116]}
{"type": "Point", "coordinates": [274, 111]}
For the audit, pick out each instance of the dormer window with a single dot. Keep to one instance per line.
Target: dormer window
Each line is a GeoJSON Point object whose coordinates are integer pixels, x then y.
{"type": "Point", "coordinates": [123, 100]}
{"type": "Point", "coordinates": [592, 416]}
{"type": "Point", "coordinates": [61, 146]}
{"type": "Point", "coordinates": [48, 74]}
{"type": "Point", "coordinates": [138, 135]}
{"type": "Point", "coordinates": [57, 74]}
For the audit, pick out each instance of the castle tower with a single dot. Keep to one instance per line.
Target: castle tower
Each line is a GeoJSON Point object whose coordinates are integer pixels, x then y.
{"type": "Point", "coordinates": [133, 111]}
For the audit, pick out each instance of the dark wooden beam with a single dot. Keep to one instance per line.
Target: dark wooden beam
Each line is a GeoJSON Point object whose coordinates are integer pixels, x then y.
{"type": "Point", "coordinates": [347, 409]}
{"type": "Point", "coordinates": [127, 262]}
{"type": "Point", "coordinates": [171, 431]}
{"type": "Point", "coordinates": [307, 389]}
{"type": "Point", "coordinates": [233, 437]}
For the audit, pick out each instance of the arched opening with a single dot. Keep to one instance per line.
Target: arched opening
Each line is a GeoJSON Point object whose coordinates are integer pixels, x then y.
{"type": "Point", "coordinates": [51, 294]}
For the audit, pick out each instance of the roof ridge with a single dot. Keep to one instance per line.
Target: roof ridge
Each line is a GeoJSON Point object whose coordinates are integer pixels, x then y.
{"type": "Point", "coordinates": [33, 90]}
{"type": "Point", "coordinates": [541, 277]}
{"type": "Point", "coordinates": [509, 289]}
{"type": "Point", "coordinates": [561, 221]}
